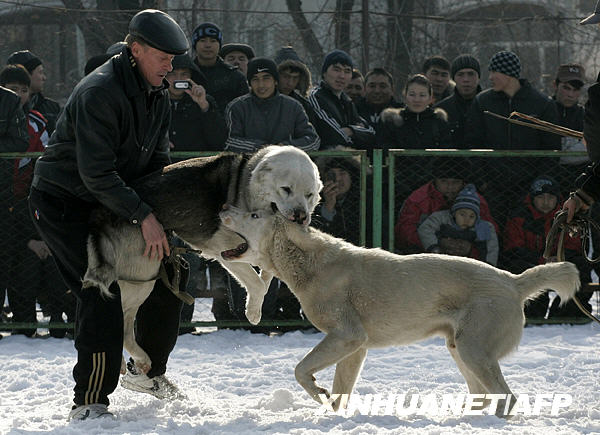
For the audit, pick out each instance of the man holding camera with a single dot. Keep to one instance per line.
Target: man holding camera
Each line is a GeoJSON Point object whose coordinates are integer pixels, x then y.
{"type": "Point", "coordinates": [196, 123]}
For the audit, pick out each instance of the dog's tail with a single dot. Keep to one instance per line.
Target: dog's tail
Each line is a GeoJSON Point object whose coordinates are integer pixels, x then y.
{"type": "Point", "coordinates": [562, 277]}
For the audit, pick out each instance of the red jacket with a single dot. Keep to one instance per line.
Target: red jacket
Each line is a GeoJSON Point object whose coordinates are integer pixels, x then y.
{"type": "Point", "coordinates": [38, 140]}
{"type": "Point", "coordinates": [526, 230]}
{"type": "Point", "coordinates": [418, 206]}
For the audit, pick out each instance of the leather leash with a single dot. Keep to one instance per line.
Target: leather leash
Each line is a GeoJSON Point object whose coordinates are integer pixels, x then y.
{"type": "Point", "coordinates": [580, 225]}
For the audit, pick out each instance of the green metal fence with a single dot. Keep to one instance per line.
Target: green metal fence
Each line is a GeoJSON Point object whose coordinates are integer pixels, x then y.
{"type": "Point", "coordinates": [379, 187]}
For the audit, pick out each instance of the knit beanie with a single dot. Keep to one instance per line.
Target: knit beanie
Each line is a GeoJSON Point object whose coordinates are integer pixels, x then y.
{"type": "Point", "coordinates": [506, 62]}
{"type": "Point", "coordinates": [467, 198]}
{"type": "Point", "coordinates": [286, 53]}
{"type": "Point", "coordinates": [261, 64]}
{"type": "Point", "coordinates": [544, 184]}
{"type": "Point", "coordinates": [465, 61]}
{"type": "Point", "coordinates": [336, 56]}
{"type": "Point", "coordinates": [26, 58]}
{"type": "Point", "coordinates": [207, 30]}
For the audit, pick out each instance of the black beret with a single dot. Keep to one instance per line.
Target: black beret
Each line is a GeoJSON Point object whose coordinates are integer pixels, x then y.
{"type": "Point", "coordinates": [159, 30]}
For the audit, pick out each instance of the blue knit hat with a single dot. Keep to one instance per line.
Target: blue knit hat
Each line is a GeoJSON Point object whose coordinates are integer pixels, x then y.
{"type": "Point", "coordinates": [467, 198]}
{"type": "Point", "coordinates": [207, 30]}
{"type": "Point", "coordinates": [506, 62]}
{"type": "Point", "coordinates": [337, 56]}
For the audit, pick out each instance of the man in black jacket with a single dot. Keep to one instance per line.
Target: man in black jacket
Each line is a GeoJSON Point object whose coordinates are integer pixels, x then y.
{"type": "Point", "coordinates": [588, 183]}
{"type": "Point", "coordinates": [506, 178]}
{"type": "Point", "coordinates": [379, 95]}
{"type": "Point", "coordinates": [223, 81]}
{"type": "Point", "coordinates": [196, 122]}
{"type": "Point", "coordinates": [337, 121]}
{"type": "Point", "coordinates": [13, 138]}
{"type": "Point", "coordinates": [466, 73]}
{"type": "Point", "coordinates": [33, 64]}
{"type": "Point", "coordinates": [113, 130]}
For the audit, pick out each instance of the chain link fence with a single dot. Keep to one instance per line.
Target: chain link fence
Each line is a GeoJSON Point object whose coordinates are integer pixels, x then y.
{"type": "Point", "coordinates": [384, 203]}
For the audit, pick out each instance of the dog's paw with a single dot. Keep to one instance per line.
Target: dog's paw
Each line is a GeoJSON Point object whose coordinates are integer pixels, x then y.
{"type": "Point", "coordinates": [253, 316]}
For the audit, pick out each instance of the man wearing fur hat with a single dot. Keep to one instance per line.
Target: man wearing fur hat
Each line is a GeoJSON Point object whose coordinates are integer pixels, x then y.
{"type": "Point", "coordinates": [264, 116]}
{"type": "Point", "coordinates": [338, 122]}
{"type": "Point", "coordinates": [465, 72]}
{"type": "Point", "coordinates": [33, 64]}
{"type": "Point", "coordinates": [114, 129]}
{"type": "Point", "coordinates": [223, 81]}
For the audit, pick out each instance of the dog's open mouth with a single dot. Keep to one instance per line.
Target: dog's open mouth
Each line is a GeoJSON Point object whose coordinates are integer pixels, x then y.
{"type": "Point", "coordinates": [236, 252]}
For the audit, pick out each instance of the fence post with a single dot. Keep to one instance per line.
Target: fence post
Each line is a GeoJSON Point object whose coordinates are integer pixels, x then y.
{"type": "Point", "coordinates": [377, 199]}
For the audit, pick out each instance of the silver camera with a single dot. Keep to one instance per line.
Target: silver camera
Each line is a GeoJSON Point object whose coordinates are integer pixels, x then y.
{"type": "Point", "coordinates": [181, 84]}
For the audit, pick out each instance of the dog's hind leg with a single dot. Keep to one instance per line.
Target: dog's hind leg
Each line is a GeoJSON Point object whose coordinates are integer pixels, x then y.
{"type": "Point", "coordinates": [487, 372]}
{"type": "Point", "coordinates": [336, 346]}
{"type": "Point", "coordinates": [346, 374]}
{"type": "Point", "coordinates": [473, 384]}
{"type": "Point", "coordinates": [132, 296]}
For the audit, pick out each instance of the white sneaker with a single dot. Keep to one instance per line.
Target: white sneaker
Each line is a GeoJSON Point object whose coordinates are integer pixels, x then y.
{"type": "Point", "coordinates": [85, 412]}
{"type": "Point", "coordinates": [158, 386]}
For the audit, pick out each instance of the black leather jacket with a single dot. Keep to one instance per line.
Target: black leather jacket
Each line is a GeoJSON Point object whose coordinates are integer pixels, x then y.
{"type": "Point", "coordinates": [111, 131]}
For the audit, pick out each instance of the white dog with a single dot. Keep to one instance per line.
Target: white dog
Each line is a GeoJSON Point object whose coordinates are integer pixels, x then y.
{"type": "Point", "coordinates": [186, 198]}
{"type": "Point", "coordinates": [365, 298]}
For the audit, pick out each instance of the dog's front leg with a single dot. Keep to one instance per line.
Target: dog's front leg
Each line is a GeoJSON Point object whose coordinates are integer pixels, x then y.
{"type": "Point", "coordinates": [255, 288]}
{"type": "Point", "coordinates": [267, 277]}
{"type": "Point", "coordinates": [346, 374]}
{"type": "Point", "coordinates": [336, 346]}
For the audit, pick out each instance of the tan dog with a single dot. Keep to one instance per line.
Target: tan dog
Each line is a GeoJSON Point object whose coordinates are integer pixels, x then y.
{"type": "Point", "coordinates": [367, 298]}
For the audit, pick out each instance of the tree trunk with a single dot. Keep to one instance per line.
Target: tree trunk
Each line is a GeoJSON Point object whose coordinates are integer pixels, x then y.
{"type": "Point", "coordinates": [102, 29]}
{"type": "Point", "coordinates": [342, 17]}
{"type": "Point", "coordinates": [309, 38]}
{"type": "Point", "coordinates": [399, 41]}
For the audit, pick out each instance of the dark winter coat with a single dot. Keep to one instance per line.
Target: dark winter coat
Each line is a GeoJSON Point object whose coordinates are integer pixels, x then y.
{"type": "Point", "coordinates": [372, 114]}
{"type": "Point", "coordinates": [113, 130]}
{"type": "Point", "coordinates": [402, 128]}
{"type": "Point", "coordinates": [334, 113]}
{"type": "Point", "coordinates": [255, 122]}
{"type": "Point", "coordinates": [486, 131]}
{"type": "Point", "coordinates": [457, 107]}
{"type": "Point", "coordinates": [47, 107]}
{"type": "Point", "coordinates": [224, 82]}
{"type": "Point", "coordinates": [192, 129]}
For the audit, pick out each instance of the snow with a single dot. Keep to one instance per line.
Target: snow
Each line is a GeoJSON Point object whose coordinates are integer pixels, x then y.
{"type": "Point", "coordinates": [243, 383]}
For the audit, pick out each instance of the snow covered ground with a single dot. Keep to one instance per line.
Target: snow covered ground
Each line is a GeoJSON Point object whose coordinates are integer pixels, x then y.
{"type": "Point", "coordinates": [243, 383]}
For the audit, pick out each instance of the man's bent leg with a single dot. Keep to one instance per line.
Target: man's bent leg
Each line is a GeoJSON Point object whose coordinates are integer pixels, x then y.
{"type": "Point", "coordinates": [63, 225]}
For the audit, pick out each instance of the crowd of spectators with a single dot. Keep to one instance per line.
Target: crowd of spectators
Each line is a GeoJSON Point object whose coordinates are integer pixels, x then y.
{"type": "Point", "coordinates": [225, 97]}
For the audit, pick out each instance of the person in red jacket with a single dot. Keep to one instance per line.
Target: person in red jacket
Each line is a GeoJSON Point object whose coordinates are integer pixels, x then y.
{"type": "Point", "coordinates": [525, 240]}
{"type": "Point", "coordinates": [450, 176]}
